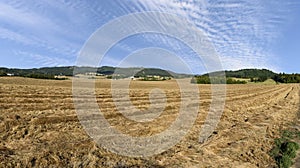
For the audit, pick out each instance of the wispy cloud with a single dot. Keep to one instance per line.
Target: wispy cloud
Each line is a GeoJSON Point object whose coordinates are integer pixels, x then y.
{"type": "Point", "coordinates": [37, 60]}
{"type": "Point", "coordinates": [36, 24]}
{"type": "Point", "coordinates": [241, 31]}
{"type": "Point", "coordinates": [7, 34]}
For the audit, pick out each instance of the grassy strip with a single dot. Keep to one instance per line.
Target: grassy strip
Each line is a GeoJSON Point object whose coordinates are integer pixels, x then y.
{"type": "Point", "coordinates": [285, 148]}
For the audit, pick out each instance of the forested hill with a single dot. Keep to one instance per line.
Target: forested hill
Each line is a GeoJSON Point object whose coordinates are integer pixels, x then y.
{"type": "Point", "coordinates": [104, 70]}
{"type": "Point", "coordinates": [257, 75]}
{"type": "Point", "coordinates": [250, 73]}
{"type": "Point", "coordinates": [247, 73]}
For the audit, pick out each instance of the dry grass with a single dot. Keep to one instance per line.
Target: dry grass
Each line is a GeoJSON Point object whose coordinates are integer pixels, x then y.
{"type": "Point", "coordinates": [39, 127]}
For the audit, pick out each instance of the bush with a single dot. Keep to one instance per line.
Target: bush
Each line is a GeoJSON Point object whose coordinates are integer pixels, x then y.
{"type": "Point", "coordinates": [201, 80]}
{"type": "Point", "coordinates": [232, 81]}
{"type": "Point", "coordinates": [2, 73]}
{"type": "Point", "coordinates": [285, 149]}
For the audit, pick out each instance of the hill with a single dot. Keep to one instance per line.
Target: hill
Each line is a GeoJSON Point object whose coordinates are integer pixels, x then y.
{"type": "Point", "coordinates": [254, 75]}
{"type": "Point", "coordinates": [50, 72]}
{"type": "Point", "coordinates": [247, 73]}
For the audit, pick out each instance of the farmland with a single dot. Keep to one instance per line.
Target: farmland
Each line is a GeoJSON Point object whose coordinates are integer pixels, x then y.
{"type": "Point", "coordinates": [39, 126]}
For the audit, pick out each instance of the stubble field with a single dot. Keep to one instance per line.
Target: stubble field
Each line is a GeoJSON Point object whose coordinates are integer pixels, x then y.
{"type": "Point", "coordinates": [39, 126]}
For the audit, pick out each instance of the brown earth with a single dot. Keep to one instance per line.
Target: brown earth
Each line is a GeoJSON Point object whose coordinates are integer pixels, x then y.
{"type": "Point", "coordinates": [39, 125]}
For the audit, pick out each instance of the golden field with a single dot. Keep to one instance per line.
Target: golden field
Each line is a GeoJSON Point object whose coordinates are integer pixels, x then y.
{"type": "Point", "coordinates": [39, 126]}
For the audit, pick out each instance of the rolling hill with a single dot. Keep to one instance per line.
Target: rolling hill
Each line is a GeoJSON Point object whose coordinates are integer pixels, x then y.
{"type": "Point", "coordinates": [256, 75]}
{"type": "Point", "coordinates": [104, 70]}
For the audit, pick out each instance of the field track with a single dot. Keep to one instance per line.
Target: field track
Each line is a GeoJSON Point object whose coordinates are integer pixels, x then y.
{"type": "Point", "coordinates": [39, 126]}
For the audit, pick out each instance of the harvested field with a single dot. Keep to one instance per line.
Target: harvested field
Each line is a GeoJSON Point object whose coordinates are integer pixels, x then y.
{"type": "Point", "coordinates": [39, 126]}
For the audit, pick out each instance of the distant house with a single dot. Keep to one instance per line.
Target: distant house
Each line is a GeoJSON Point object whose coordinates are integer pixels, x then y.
{"type": "Point", "coordinates": [91, 73]}
{"type": "Point", "coordinates": [135, 78]}
{"type": "Point", "coordinates": [150, 78]}
{"type": "Point", "coordinates": [10, 74]}
{"type": "Point", "coordinates": [99, 74]}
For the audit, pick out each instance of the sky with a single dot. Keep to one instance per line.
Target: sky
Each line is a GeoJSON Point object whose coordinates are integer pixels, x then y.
{"type": "Point", "coordinates": [244, 34]}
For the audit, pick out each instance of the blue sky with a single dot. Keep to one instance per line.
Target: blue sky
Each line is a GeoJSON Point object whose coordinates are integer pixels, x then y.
{"type": "Point", "coordinates": [245, 34]}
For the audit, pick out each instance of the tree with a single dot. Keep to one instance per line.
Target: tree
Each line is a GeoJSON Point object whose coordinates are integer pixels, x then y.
{"type": "Point", "coordinates": [2, 73]}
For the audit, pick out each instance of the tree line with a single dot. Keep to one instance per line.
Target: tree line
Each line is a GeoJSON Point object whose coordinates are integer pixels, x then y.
{"type": "Point", "coordinates": [104, 70]}
{"type": "Point", "coordinates": [287, 78]}
{"type": "Point", "coordinates": [255, 75]}
{"type": "Point", "coordinates": [215, 80]}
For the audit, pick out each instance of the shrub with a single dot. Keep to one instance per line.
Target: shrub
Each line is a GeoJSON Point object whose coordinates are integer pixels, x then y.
{"type": "Point", "coordinates": [232, 81]}
{"type": "Point", "coordinates": [2, 73]}
{"type": "Point", "coordinates": [285, 149]}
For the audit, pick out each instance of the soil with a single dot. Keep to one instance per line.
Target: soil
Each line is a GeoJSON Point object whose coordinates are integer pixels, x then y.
{"type": "Point", "coordinates": [39, 126]}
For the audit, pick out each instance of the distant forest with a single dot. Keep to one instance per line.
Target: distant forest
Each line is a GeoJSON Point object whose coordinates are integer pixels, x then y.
{"type": "Point", "coordinates": [232, 77]}
{"type": "Point", "coordinates": [255, 75]}
{"type": "Point", "coordinates": [52, 72]}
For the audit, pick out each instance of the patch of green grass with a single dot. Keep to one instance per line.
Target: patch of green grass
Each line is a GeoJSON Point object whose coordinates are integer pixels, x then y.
{"type": "Point", "coordinates": [285, 148]}
{"type": "Point", "coordinates": [269, 82]}
{"type": "Point", "coordinates": [266, 82]}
